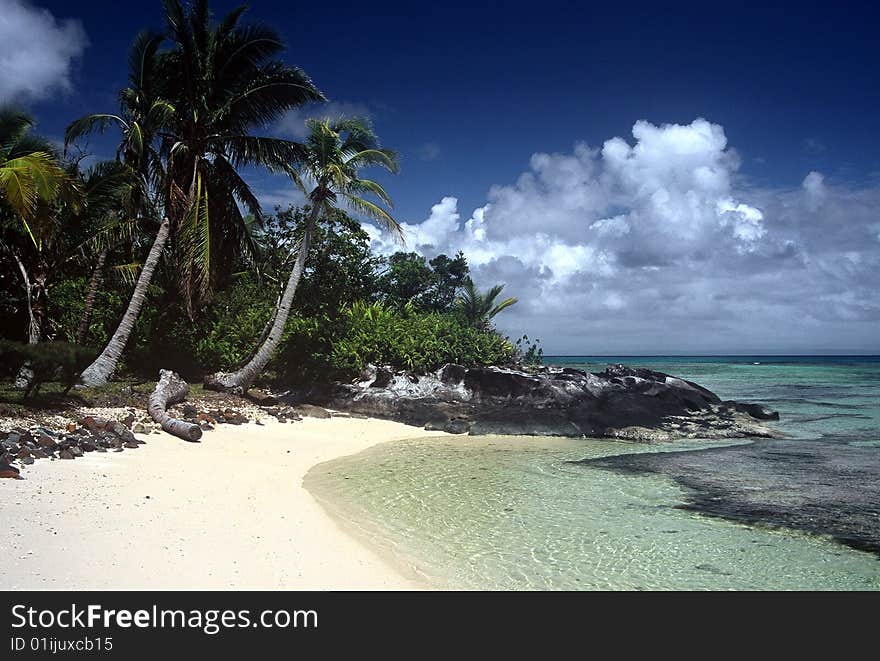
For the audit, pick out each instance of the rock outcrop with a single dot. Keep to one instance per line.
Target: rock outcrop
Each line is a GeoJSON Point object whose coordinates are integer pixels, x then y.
{"type": "Point", "coordinates": [621, 402]}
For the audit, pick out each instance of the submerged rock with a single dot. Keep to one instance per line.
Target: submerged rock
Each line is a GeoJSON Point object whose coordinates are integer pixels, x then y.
{"type": "Point", "coordinates": [822, 486]}
{"type": "Point", "coordinates": [625, 403]}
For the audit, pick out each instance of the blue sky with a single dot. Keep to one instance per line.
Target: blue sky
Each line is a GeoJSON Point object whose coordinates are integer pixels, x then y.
{"type": "Point", "coordinates": [469, 93]}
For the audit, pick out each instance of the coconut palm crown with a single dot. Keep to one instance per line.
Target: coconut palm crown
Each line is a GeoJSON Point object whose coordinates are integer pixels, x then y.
{"type": "Point", "coordinates": [478, 308]}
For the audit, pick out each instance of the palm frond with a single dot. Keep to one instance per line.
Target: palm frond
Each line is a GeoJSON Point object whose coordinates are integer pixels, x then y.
{"type": "Point", "coordinates": [14, 126]}
{"type": "Point", "coordinates": [377, 213]}
{"type": "Point", "coordinates": [274, 154]}
{"type": "Point", "coordinates": [127, 273]}
{"type": "Point", "coordinates": [384, 158]}
{"type": "Point", "coordinates": [361, 186]}
{"type": "Point", "coordinates": [90, 123]}
{"type": "Point", "coordinates": [142, 58]}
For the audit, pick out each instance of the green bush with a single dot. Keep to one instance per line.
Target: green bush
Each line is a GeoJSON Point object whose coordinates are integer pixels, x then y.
{"type": "Point", "coordinates": [527, 353]}
{"type": "Point", "coordinates": [418, 341]}
{"type": "Point", "coordinates": [219, 337]}
{"type": "Point", "coordinates": [67, 302]}
{"type": "Point", "coordinates": [48, 361]}
{"type": "Point", "coordinates": [230, 333]}
{"type": "Point", "coordinates": [306, 354]}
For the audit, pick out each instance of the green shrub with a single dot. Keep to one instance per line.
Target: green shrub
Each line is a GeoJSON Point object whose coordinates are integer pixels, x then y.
{"type": "Point", "coordinates": [227, 336]}
{"type": "Point", "coordinates": [306, 354]}
{"type": "Point", "coordinates": [48, 361]}
{"type": "Point", "coordinates": [67, 302]}
{"type": "Point", "coordinates": [418, 341]}
{"type": "Point", "coordinates": [527, 353]}
{"type": "Point", "coordinates": [221, 335]}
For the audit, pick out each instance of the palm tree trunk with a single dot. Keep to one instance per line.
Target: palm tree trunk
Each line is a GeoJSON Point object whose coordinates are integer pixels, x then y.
{"type": "Point", "coordinates": [39, 304]}
{"type": "Point", "coordinates": [239, 381]}
{"type": "Point", "coordinates": [25, 373]}
{"type": "Point", "coordinates": [33, 325]}
{"type": "Point", "coordinates": [171, 389]}
{"type": "Point", "coordinates": [100, 371]}
{"type": "Point", "coordinates": [94, 283]}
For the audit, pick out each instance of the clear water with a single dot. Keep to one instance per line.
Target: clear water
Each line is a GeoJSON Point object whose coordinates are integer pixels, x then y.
{"type": "Point", "coordinates": [511, 513]}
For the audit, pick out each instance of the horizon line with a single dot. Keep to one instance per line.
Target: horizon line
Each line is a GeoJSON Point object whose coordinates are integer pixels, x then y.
{"type": "Point", "coordinates": [712, 355]}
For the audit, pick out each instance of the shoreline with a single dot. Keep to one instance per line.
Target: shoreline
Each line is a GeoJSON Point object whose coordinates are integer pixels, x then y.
{"type": "Point", "coordinates": [513, 513]}
{"type": "Point", "coordinates": [230, 512]}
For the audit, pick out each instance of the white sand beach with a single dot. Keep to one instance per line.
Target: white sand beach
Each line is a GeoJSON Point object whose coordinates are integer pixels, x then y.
{"type": "Point", "coordinates": [227, 513]}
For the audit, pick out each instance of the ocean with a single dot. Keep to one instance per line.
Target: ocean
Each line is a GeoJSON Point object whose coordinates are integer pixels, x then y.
{"type": "Point", "coordinates": [531, 513]}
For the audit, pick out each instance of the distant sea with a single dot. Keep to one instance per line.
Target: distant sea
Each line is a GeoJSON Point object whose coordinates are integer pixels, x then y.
{"type": "Point", "coordinates": [515, 513]}
{"type": "Point", "coordinates": [815, 395]}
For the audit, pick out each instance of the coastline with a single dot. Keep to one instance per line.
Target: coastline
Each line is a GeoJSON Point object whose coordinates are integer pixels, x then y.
{"type": "Point", "coordinates": [230, 512]}
{"type": "Point", "coordinates": [535, 513]}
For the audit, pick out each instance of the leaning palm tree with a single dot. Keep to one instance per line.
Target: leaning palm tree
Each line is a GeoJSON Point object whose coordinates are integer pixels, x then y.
{"type": "Point", "coordinates": [187, 126]}
{"type": "Point", "coordinates": [335, 151]}
{"type": "Point", "coordinates": [143, 112]}
{"type": "Point", "coordinates": [478, 308]}
{"type": "Point", "coordinates": [108, 189]}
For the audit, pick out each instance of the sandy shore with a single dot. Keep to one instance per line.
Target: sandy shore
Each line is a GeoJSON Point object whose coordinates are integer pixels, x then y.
{"type": "Point", "coordinates": [229, 512]}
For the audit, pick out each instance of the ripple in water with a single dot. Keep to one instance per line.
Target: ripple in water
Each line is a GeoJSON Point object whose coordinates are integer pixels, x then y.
{"type": "Point", "coordinates": [510, 513]}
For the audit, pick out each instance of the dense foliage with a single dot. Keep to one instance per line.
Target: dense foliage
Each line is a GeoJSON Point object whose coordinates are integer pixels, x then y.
{"type": "Point", "coordinates": [419, 341]}
{"type": "Point", "coordinates": [165, 257]}
{"type": "Point", "coordinates": [432, 286]}
{"type": "Point", "coordinates": [342, 320]}
{"type": "Point", "coordinates": [349, 311]}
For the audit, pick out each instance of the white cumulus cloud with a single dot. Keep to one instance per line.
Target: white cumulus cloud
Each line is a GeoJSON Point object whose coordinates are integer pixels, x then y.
{"type": "Point", "coordinates": [655, 244]}
{"type": "Point", "coordinates": [37, 51]}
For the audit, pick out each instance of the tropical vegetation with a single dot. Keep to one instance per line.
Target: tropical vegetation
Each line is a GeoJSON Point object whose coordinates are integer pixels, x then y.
{"type": "Point", "coordinates": [165, 256]}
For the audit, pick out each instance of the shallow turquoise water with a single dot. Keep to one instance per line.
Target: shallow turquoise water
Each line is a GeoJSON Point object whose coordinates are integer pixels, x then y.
{"type": "Point", "coordinates": [510, 513]}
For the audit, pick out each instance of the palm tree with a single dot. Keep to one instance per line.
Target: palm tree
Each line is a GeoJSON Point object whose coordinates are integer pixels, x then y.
{"type": "Point", "coordinates": [335, 151]}
{"type": "Point", "coordinates": [30, 175]}
{"type": "Point", "coordinates": [477, 308]}
{"type": "Point", "coordinates": [62, 233]}
{"type": "Point", "coordinates": [224, 80]}
{"type": "Point", "coordinates": [143, 112]}
{"type": "Point", "coordinates": [32, 180]}
{"type": "Point", "coordinates": [187, 125]}
{"type": "Point", "coordinates": [108, 189]}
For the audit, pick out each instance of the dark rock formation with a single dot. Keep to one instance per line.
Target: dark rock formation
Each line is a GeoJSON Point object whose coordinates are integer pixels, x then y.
{"type": "Point", "coordinates": [310, 411]}
{"type": "Point", "coordinates": [621, 402]}
{"type": "Point", "coordinates": [261, 397]}
{"type": "Point", "coordinates": [823, 486]}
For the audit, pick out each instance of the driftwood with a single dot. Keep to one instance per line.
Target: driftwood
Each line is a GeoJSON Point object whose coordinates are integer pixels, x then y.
{"type": "Point", "coordinates": [170, 390]}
